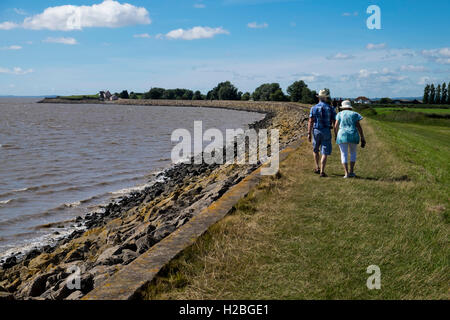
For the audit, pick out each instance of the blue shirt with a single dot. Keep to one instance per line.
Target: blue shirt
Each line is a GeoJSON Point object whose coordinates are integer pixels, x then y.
{"type": "Point", "coordinates": [323, 114]}
{"type": "Point", "coordinates": [348, 133]}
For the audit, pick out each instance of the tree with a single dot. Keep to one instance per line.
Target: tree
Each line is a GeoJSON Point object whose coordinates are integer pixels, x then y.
{"type": "Point", "coordinates": [438, 95]}
{"type": "Point", "coordinates": [328, 92]}
{"type": "Point", "coordinates": [187, 95]}
{"type": "Point", "coordinates": [315, 97]}
{"type": "Point", "coordinates": [246, 96]}
{"type": "Point", "coordinates": [224, 91]}
{"type": "Point", "coordinates": [444, 94]}
{"type": "Point", "coordinates": [432, 99]}
{"type": "Point", "coordinates": [227, 91]}
{"type": "Point", "coordinates": [448, 92]}
{"type": "Point", "coordinates": [197, 95]}
{"type": "Point", "coordinates": [278, 95]}
{"type": "Point", "coordinates": [133, 95]}
{"type": "Point", "coordinates": [168, 94]}
{"type": "Point", "coordinates": [124, 95]}
{"type": "Point", "coordinates": [269, 92]}
{"type": "Point", "coordinates": [295, 90]}
{"type": "Point", "coordinates": [154, 93]}
{"type": "Point", "coordinates": [385, 101]}
{"type": "Point", "coordinates": [426, 94]}
{"type": "Point", "coordinates": [308, 96]}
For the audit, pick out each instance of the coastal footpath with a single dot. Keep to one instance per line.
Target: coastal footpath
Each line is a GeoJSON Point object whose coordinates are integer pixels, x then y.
{"type": "Point", "coordinates": [126, 229]}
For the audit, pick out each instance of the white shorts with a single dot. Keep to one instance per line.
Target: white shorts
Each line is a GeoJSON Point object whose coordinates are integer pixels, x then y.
{"type": "Point", "coordinates": [345, 150]}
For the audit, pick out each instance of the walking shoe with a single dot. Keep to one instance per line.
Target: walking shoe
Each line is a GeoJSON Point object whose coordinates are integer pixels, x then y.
{"type": "Point", "coordinates": [317, 171]}
{"type": "Point", "coordinates": [323, 175]}
{"type": "Point", "coordinates": [352, 175]}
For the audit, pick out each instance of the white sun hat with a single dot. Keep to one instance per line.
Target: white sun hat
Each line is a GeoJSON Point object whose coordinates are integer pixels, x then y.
{"type": "Point", "coordinates": [346, 105]}
{"type": "Point", "coordinates": [323, 94]}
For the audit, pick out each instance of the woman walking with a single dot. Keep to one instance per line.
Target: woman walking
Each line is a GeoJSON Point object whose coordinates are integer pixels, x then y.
{"type": "Point", "coordinates": [348, 132]}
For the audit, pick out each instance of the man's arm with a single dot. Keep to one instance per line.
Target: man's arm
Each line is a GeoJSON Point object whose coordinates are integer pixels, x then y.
{"type": "Point", "coordinates": [334, 122]}
{"type": "Point", "coordinates": [310, 122]}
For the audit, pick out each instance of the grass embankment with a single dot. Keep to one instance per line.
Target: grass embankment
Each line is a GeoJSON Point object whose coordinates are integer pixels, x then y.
{"type": "Point", "coordinates": [442, 111]}
{"type": "Point", "coordinates": [80, 97]}
{"type": "Point", "coordinates": [302, 237]}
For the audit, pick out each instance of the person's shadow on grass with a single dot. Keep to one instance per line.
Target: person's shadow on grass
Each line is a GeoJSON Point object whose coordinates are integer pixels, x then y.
{"type": "Point", "coordinates": [394, 179]}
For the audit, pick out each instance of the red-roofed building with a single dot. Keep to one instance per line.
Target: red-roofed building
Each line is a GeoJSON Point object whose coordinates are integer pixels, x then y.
{"type": "Point", "coordinates": [363, 100]}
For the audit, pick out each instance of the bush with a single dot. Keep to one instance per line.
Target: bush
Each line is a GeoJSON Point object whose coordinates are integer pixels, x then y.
{"type": "Point", "coordinates": [269, 92]}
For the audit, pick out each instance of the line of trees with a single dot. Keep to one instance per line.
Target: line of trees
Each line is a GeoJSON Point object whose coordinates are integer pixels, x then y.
{"type": "Point", "coordinates": [296, 92]}
{"type": "Point", "coordinates": [436, 94]}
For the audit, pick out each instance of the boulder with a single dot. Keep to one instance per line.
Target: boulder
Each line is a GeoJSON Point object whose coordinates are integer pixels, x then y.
{"type": "Point", "coordinates": [74, 255]}
{"type": "Point", "coordinates": [13, 285]}
{"type": "Point", "coordinates": [100, 273]}
{"type": "Point", "coordinates": [36, 286]}
{"type": "Point", "coordinates": [9, 263]}
{"type": "Point", "coordinates": [128, 256]}
{"type": "Point", "coordinates": [76, 295]}
{"type": "Point", "coordinates": [109, 256]}
{"type": "Point", "coordinates": [144, 243]}
{"type": "Point", "coordinates": [6, 296]}
{"type": "Point", "coordinates": [162, 232]}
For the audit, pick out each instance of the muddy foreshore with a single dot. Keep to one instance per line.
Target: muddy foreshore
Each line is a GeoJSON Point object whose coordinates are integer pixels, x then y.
{"type": "Point", "coordinates": [125, 229]}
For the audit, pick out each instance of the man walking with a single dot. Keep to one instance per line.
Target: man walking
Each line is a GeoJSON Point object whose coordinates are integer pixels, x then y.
{"type": "Point", "coordinates": [321, 120]}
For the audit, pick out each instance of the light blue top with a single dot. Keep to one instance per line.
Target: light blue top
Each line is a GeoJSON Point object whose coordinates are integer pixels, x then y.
{"type": "Point", "coordinates": [348, 133]}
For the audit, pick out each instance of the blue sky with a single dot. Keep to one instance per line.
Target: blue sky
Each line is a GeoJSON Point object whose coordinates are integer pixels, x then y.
{"type": "Point", "coordinates": [47, 47]}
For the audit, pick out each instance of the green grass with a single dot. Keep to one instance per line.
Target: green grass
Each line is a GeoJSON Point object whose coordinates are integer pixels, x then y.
{"type": "Point", "coordinates": [423, 110]}
{"type": "Point", "coordinates": [410, 106]}
{"type": "Point", "coordinates": [80, 97]}
{"type": "Point", "coordinates": [298, 236]}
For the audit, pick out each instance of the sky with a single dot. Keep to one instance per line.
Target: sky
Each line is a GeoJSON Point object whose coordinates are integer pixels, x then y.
{"type": "Point", "coordinates": [62, 47]}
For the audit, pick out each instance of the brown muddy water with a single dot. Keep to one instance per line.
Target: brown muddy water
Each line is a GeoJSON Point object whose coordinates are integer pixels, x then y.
{"type": "Point", "coordinates": [60, 161]}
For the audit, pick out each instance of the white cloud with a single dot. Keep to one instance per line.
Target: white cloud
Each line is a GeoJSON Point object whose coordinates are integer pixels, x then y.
{"type": "Point", "coordinates": [108, 14]}
{"type": "Point", "coordinates": [378, 77]}
{"type": "Point", "coordinates": [16, 71]}
{"type": "Point", "coordinates": [20, 11]}
{"type": "Point", "coordinates": [349, 14]}
{"type": "Point", "coordinates": [195, 33]}
{"type": "Point", "coordinates": [8, 25]}
{"type": "Point", "coordinates": [413, 68]}
{"type": "Point", "coordinates": [62, 40]}
{"type": "Point", "coordinates": [424, 80]}
{"type": "Point", "coordinates": [13, 47]}
{"type": "Point", "coordinates": [199, 6]}
{"type": "Point", "coordinates": [142, 35]}
{"type": "Point", "coordinates": [441, 56]}
{"type": "Point", "coordinates": [373, 46]}
{"type": "Point", "coordinates": [310, 77]}
{"type": "Point", "coordinates": [255, 25]}
{"type": "Point", "coordinates": [341, 56]}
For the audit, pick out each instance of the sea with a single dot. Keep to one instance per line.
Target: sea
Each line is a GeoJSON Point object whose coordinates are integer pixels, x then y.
{"type": "Point", "coordinates": [61, 161]}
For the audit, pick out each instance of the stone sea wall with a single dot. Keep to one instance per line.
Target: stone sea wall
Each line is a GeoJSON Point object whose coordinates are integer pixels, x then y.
{"type": "Point", "coordinates": [130, 227]}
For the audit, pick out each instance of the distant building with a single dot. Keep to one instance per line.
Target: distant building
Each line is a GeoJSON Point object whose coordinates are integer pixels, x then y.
{"type": "Point", "coordinates": [363, 100]}
{"type": "Point", "coordinates": [105, 96]}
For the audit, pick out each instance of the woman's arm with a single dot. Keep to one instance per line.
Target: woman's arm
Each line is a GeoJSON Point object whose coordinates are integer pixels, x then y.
{"type": "Point", "coordinates": [361, 133]}
{"type": "Point", "coordinates": [336, 128]}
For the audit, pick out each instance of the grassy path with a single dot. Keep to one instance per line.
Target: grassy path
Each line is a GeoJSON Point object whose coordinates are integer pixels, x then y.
{"type": "Point", "coordinates": [301, 237]}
